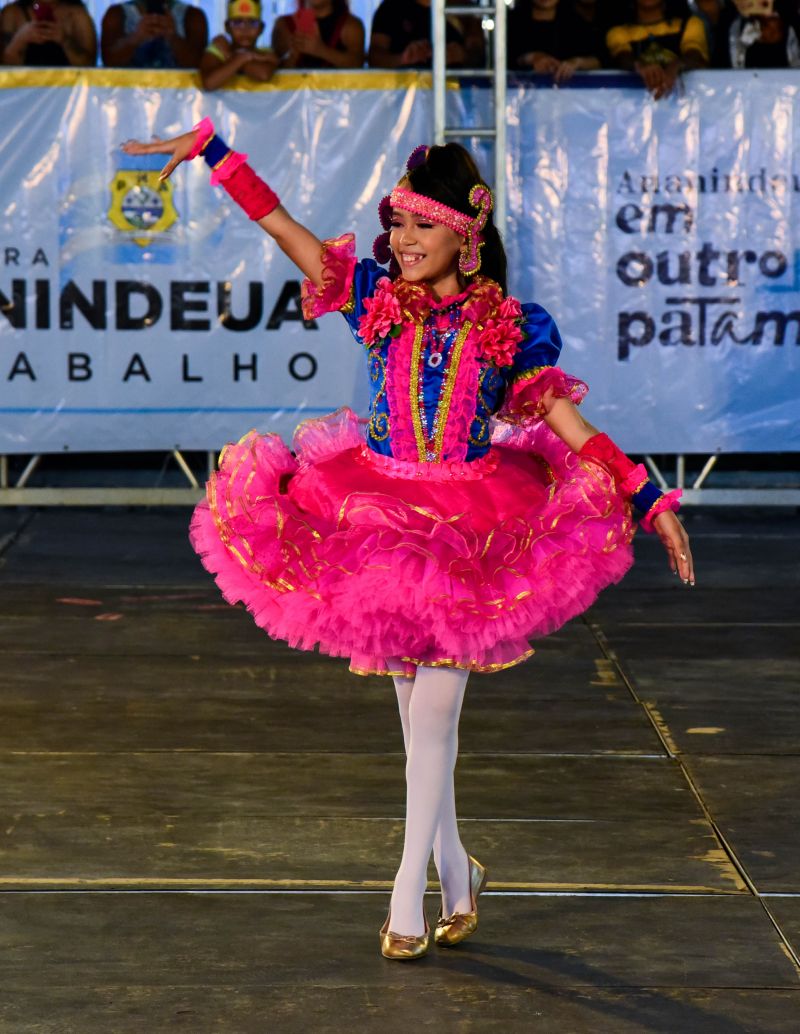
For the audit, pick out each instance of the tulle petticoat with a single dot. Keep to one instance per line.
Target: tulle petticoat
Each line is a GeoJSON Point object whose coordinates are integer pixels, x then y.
{"type": "Point", "coordinates": [357, 555]}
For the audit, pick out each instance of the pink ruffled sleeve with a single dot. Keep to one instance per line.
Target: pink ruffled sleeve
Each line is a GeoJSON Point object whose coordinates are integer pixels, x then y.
{"type": "Point", "coordinates": [338, 269]}
{"type": "Point", "coordinates": [531, 393]}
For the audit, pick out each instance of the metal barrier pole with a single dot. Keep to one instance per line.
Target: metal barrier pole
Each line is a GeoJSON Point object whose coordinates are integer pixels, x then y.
{"type": "Point", "coordinates": [187, 470]}
{"type": "Point", "coordinates": [500, 88]}
{"type": "Point", "coordinates": [438, 37]}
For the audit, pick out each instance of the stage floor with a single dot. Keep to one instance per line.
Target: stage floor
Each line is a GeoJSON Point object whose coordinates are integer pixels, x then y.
{"type": "Point", "coordinates": [200, 826]}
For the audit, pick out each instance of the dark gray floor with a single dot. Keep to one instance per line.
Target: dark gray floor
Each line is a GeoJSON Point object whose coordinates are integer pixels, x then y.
{"type": "Point", "coordinates": [200, 826]}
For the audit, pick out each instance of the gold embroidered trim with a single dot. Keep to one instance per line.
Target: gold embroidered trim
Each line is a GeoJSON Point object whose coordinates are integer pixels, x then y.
{"type": "Point", "coordinates": [528, 375]}
{"type": "Point", "coordinates": [350, 305]}
{"type": "Point", "coordinates": [471, 666]}
{"type": "Point", "coordinates": [483, 435]}
{"type": "Point", "coordinates": [483, 432]}
{"type": "Point", "coordinates": [445, 399]}
{"type": "Point", "coordinates": [413, 393]}
{"type": "Point", "coordinates": [222, 161]}
{"type": "Point", "coordinates": [447, 392]}
{"type": "Point", "coordinates": [378, 422]}
{"type": "Point", "coordinates": [641, 486]}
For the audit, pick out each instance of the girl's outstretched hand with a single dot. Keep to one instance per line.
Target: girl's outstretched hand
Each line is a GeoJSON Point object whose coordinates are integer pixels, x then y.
{"type": "Point", "coordinates": [676, 542]}
{"type": "Point", "coordinates": [180, 147]}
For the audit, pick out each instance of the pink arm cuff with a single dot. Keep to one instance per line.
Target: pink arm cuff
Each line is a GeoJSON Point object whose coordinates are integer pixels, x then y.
{"type": "Point", "coordinates": [338, 269]}
{"type": "Point", "coordinates": [669, 501]}
{"type": "Point", "coordinates": [249, 191]}
{"type": "Point", "coordinates": [531, 395]}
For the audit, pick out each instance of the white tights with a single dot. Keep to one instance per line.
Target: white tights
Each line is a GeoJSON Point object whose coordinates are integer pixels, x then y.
{"type": "Point", "coordinates": [430, 706]}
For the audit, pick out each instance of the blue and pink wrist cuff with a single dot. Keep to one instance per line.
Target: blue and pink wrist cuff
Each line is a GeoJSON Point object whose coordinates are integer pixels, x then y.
{"type": "Point", "coordinates": [230, 170]}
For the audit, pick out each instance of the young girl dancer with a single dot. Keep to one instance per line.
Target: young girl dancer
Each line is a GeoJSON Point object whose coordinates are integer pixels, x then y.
{"type": "Point", "coordinates": [475, 511]}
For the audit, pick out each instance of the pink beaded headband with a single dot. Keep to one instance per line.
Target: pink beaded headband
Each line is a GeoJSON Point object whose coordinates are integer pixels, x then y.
{"type": "Point", "coordinates": [419, 204]}
{"type": "Point", "coordinates": [470, 227]}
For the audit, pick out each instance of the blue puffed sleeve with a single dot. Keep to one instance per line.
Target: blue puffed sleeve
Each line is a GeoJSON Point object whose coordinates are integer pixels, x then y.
{"type": "Point", "coordinates": [541, 345]}
{"type": "Point", "coordinates": [534, 379]}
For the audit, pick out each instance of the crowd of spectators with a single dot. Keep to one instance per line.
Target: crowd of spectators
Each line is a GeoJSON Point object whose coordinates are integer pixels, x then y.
{"type": "Point", "coordinates": [655, 39]}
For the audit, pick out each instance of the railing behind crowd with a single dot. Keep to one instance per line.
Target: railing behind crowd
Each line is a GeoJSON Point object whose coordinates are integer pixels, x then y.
{"type": "Point", "coordinates": [144, 316]}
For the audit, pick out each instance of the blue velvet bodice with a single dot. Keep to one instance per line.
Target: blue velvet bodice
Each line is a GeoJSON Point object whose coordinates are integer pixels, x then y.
{"type": "Point", "coordinates": [539, 348]}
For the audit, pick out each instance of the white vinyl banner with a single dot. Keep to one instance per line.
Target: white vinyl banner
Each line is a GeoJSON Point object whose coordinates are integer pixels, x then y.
{"type": "Point", "coordinates": [143, 315]}
{"type": "Point", "coordinates": [665, 238]}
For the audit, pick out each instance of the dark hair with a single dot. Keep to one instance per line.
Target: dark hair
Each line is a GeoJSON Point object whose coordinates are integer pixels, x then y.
{"type": "Point", "coordinates": [447, 175]}
{"type": "Point", "coordinates": [340, 7]}
{"type": "Point", "coordinates": [627, 16]}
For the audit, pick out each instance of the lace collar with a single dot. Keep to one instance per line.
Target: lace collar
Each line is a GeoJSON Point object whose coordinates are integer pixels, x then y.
{"type": "Point", "coordinates": [478, 301]}
{"type": "Point", "coordinates": [497, 320]}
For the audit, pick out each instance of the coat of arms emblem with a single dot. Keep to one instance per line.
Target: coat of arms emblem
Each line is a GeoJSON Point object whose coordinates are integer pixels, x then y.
{"type": "Point", "coordinates": [141, 204]}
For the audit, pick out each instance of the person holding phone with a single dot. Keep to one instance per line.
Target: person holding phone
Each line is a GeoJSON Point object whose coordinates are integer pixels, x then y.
{"type": "Point", "coordinates": [473, 511]}
{"type": "Point", "coordinates": [52, 33]}
{"type": "Point", "coordinates": [236, 54]}
{"type": "Point", "coordinates": [401, 36]}
{"type": "Point", "coordinates": [153, 34]}
{"type": "Point", "coordinates": [320, 34]}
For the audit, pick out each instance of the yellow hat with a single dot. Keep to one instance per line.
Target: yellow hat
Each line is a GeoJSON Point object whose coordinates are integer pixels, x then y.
{"type": "Point", "coordinates": [244, 9]}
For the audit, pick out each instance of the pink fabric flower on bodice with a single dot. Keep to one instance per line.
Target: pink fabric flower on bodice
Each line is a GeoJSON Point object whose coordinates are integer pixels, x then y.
{"type": "Point", "coordinates": [382, 313]}
{"type": "Point", "coordinates": [499, 341]}
{"type": "Point", "coordinates": [496, 319]}
{"type": "Point", "coordinates": [509, 309]}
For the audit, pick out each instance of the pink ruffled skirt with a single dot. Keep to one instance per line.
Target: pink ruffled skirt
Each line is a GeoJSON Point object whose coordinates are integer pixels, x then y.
{"type": "Point", "coordinates": [363, 557]}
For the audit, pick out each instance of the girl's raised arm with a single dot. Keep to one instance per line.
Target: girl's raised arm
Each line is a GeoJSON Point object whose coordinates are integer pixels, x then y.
{"type": "Point", "coordinates": [246, 188]}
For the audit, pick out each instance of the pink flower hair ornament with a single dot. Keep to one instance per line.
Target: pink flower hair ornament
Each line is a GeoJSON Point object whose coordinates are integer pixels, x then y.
{"type": "Point", "coordinates": [380, 246]}
{"type": "Point", "coordinates": [417, 157]}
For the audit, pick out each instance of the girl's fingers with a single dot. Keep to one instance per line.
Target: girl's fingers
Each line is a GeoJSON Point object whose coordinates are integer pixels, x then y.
{"type": "Point", "coordinates": [156, 146]}
{"type": "Point", "coordinates": [685, 563]}
{"type": "Point", "coordinates": [169, 168]}
{"type": "Point", "coordinates": [136, 147]}
{"type": "Point", "coordinates": [676, 543]}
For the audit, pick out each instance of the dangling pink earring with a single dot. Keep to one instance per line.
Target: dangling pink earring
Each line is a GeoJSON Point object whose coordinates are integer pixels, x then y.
{"type": "Point", "coordinates": [466, 263]}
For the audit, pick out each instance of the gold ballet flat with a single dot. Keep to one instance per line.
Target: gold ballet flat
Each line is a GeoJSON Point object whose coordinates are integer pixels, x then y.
{"type": "Point", "coordinates": [459, 925]}
{"type": "Point", "coordinates": [403, 947]}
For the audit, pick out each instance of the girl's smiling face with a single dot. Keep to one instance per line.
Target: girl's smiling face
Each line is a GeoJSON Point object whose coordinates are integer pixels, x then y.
{"type": "Point", "coordinates": [425, 250]}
